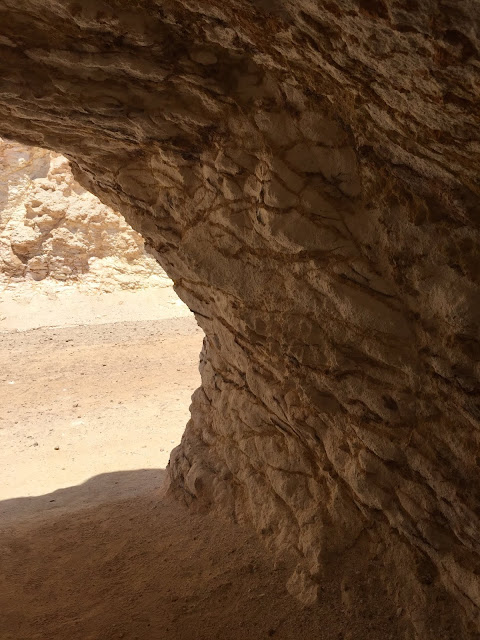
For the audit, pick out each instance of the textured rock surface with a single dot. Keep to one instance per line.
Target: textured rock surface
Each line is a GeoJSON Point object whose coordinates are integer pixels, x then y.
{"type": "Point", "coordinates": [308, 173]}
{"type": "Point", "coordinates": [50, 227]}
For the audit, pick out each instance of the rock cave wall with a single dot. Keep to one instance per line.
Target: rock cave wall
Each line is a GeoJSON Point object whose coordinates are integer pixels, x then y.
{"type": "Point", "coordinates": [53, 230]}
{"type": "Point", "coordinates": [308, 174]}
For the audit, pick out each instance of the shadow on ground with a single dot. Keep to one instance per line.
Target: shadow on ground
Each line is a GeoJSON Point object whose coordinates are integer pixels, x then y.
{"type": "Point", "coordinates": [103, 488]}
{"type": "Point", "coordinates": [114, 558]}
{"type": "Point", "coordinates": [117, 558]}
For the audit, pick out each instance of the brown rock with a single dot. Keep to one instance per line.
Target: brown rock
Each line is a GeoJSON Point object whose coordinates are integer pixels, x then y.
{"type": "Point", "coordinates": [342, 322]}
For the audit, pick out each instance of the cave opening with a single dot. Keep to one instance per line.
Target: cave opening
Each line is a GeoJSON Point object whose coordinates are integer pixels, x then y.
{"type": "Point", "coordinates": [99, 357]}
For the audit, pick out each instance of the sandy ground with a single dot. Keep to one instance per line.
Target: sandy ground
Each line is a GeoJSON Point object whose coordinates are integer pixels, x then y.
{"type": "Point", "coordinates": [147, 568]}
{"type": "Point", "coordinates": [86, 396]}
{"type": "Point", "coordinates": [94, 394]}
{"type": "Point", "coordinates": [28, 307]}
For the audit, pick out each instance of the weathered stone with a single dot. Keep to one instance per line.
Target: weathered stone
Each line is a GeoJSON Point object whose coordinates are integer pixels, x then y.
{"type": "Point", "coordinates": [51, 228]}
{"type": "Point", "coordinates": [341, 326]}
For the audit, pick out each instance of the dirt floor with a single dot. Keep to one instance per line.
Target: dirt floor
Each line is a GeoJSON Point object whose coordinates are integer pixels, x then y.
{"type": "Point", "coordinates": [91, 548]}
{"type": "Point", "coordinates": [147, 568]}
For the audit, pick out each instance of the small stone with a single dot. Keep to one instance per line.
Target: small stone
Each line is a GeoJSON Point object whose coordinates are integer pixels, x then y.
{"type": "Point", "coordinates": [56, 448]}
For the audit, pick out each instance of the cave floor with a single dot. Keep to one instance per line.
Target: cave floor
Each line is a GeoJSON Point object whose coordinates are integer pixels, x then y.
{"type": "Point", "coordinates": [147, 568]}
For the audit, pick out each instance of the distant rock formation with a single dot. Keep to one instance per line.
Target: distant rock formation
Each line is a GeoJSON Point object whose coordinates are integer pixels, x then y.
{"type": "Point", "coordinates": [52, 228]}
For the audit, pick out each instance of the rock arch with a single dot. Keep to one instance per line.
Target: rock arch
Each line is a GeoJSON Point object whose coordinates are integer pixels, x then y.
{"type": "Point", "coordinates": [308, 175]}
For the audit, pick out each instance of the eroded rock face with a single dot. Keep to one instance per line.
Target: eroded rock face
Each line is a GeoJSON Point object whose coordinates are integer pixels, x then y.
{"type": "Point", "coordinates": [53, 230]}
{"type": "Point", "coordinates": [308, 174]}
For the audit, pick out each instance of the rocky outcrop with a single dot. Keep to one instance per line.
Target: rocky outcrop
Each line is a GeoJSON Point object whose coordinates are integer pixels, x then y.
{"type": "Point", "coordinates": [308, 174]}
{"type": "Point", "coordinates": [52, 228]}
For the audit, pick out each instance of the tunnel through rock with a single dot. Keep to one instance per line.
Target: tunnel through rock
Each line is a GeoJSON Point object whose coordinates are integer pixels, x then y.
{"type": "Point", "coordinates": [307, 174]}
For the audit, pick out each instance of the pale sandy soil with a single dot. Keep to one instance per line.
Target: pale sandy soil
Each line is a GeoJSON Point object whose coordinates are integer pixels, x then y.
{"type": "Point", "coordinates": [109, 385]}
{"type": "Point", "coordinates": [91, 548]}
{"type": "Point", "coordinates": [47, 304]}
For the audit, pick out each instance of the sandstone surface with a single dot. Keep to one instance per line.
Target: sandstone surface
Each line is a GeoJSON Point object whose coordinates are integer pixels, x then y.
{"type": "Point", "coordinates": [54, 231]}
{"type": "Point", "coordinates": [307, 173]}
